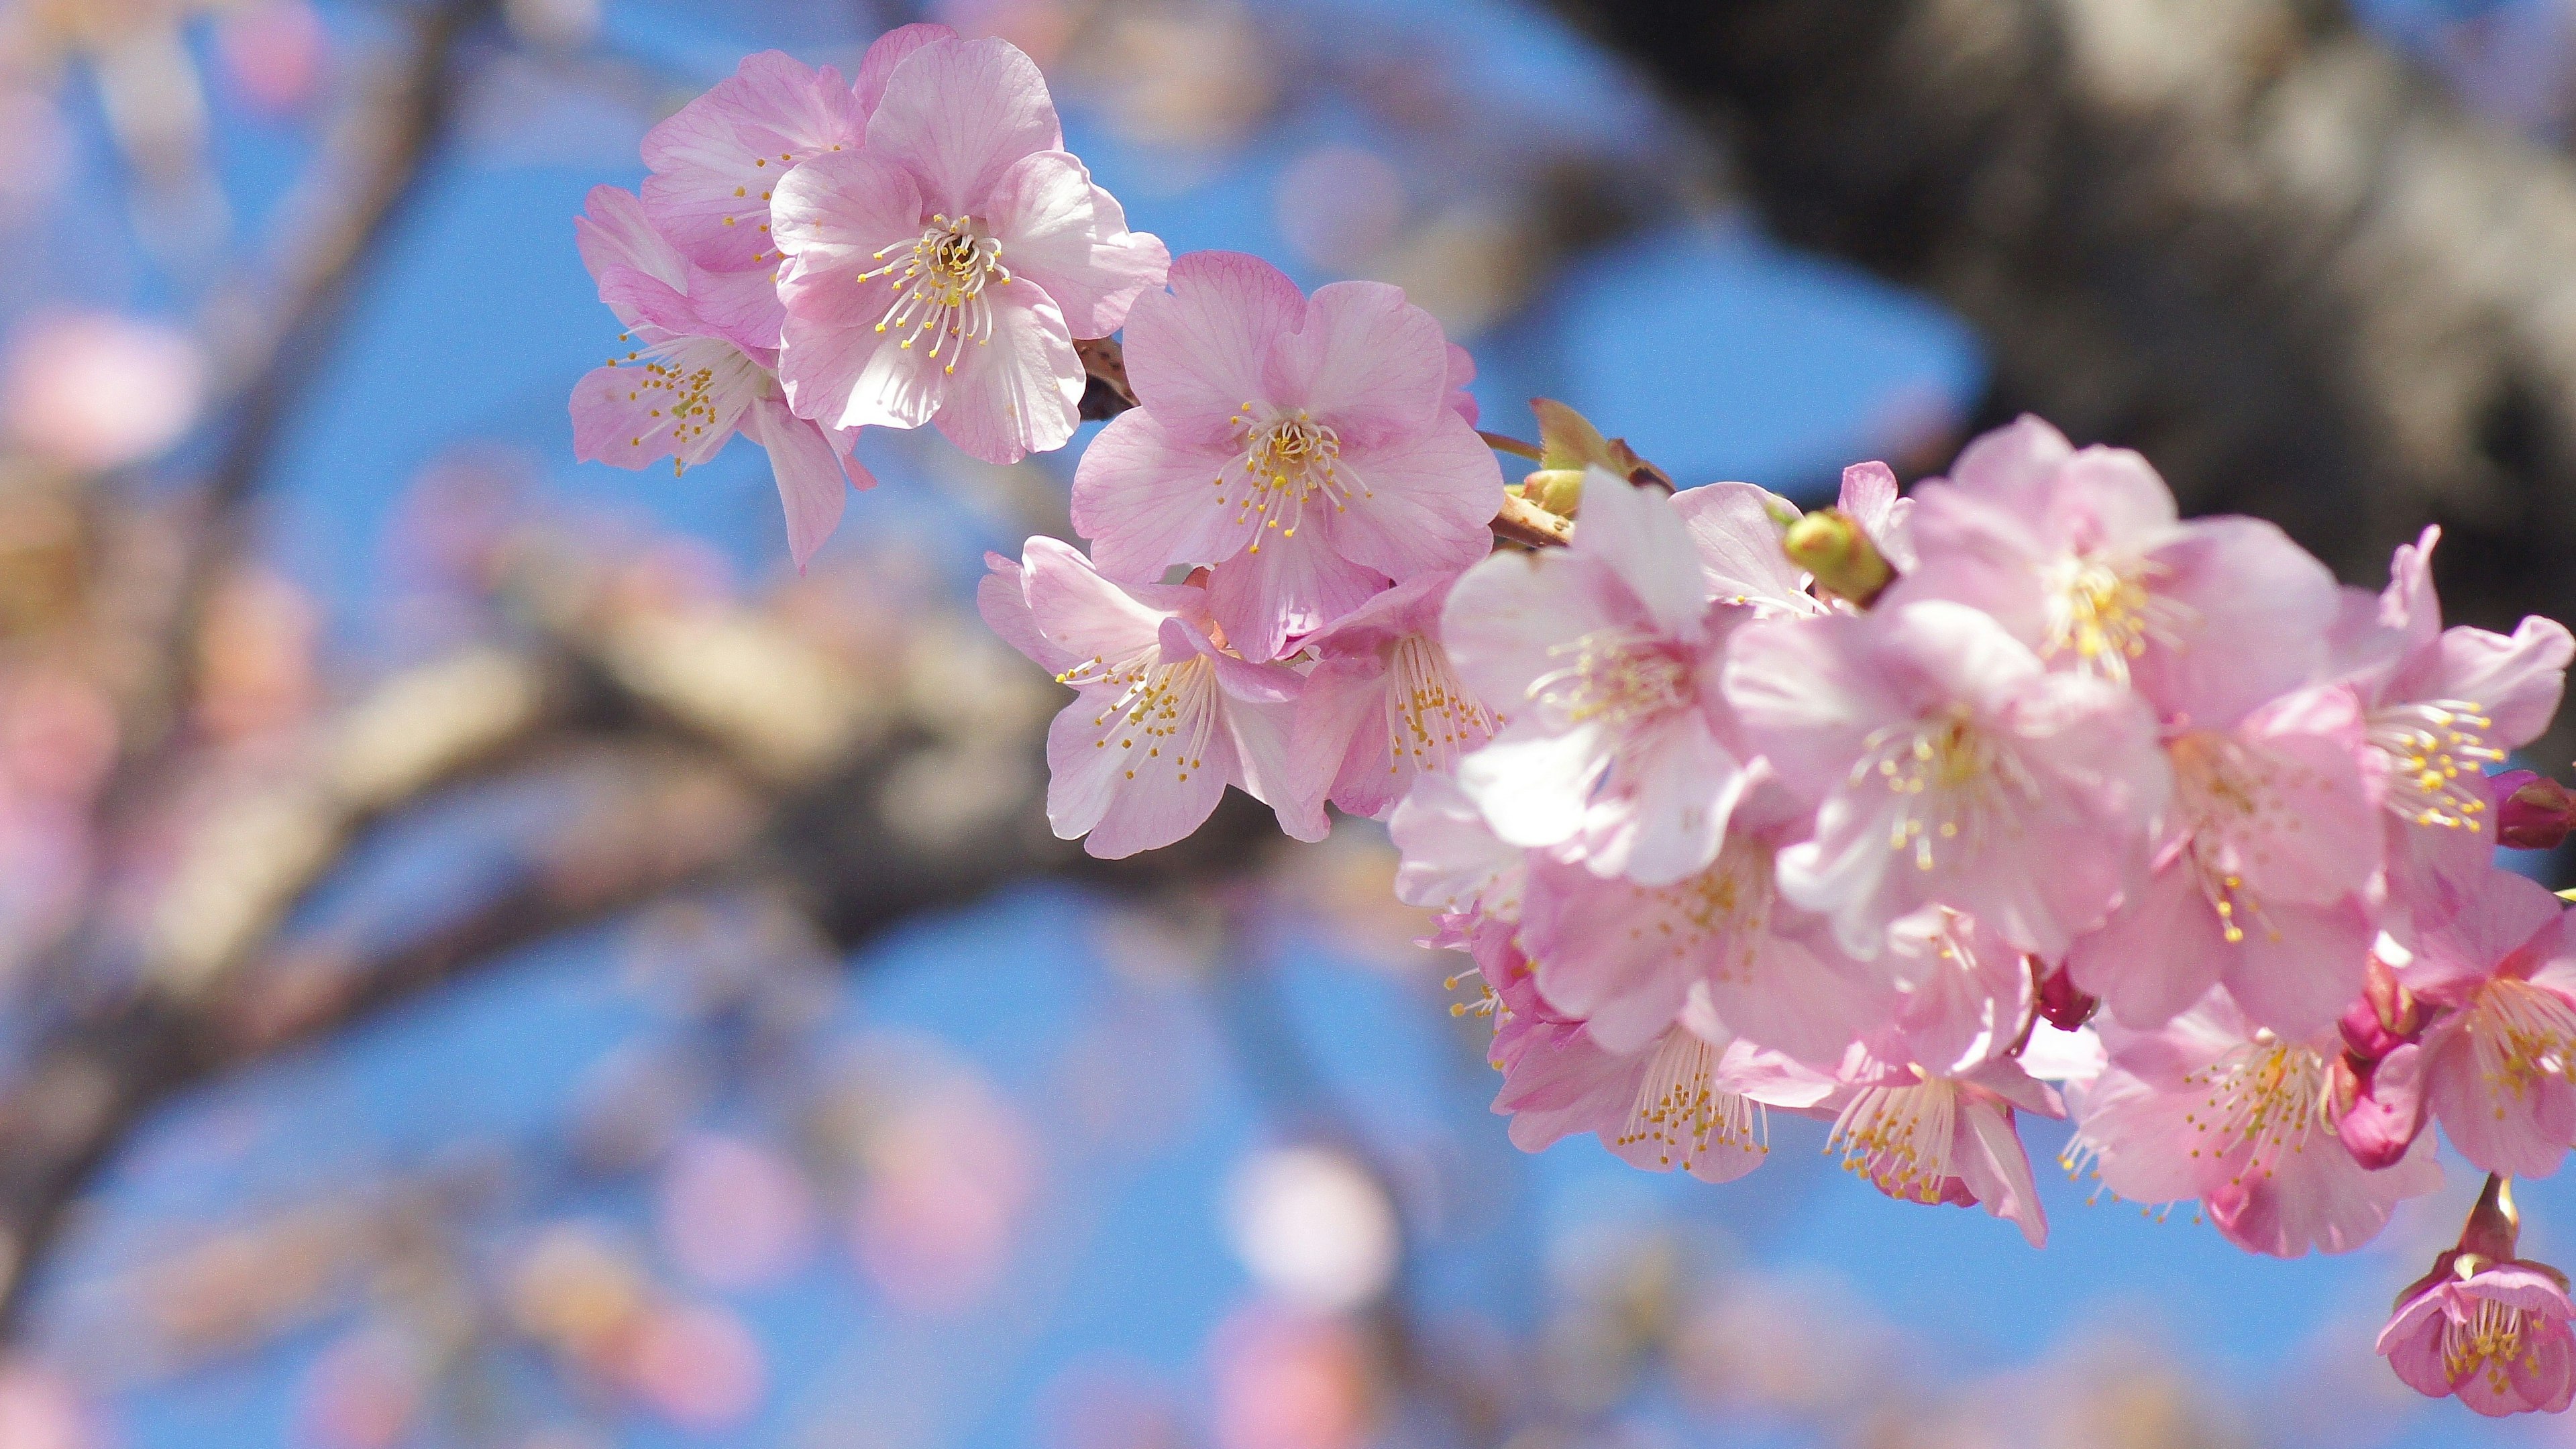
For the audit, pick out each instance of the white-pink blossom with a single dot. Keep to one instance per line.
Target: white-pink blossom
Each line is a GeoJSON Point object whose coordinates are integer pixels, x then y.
{"type": "Point", "coordinates": [1383, 704]}
{"type": "Point", "coordinates": [2499, 1062]}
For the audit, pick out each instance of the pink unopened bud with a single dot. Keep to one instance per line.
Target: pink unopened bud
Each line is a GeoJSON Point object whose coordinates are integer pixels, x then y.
{"type": "Point", "coordinates": [2379, 1106]}
{"type": "Point", "coordinates": [2384, 1017]}
{"type": "Point", "coordinates": [2533, 812]}
{"type": "Point", "coordinates": [2485, 1325]}
{"type": "Point", "coordinates": [2062, 1003]}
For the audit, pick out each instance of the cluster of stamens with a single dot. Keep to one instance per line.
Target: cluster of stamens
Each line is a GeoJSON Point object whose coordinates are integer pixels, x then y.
{"type": "Point", "coordinates": [2229, 794]}
{"type": "Point", "coordinates": [2437, 752]}
{"type": "Point", "coordinates": [2521, 1036]}
{"type": "Point", "coordinates": [1168, 708]}
{"type": "Point", "coordinates": [1951, 784]}
{"type": "Point", "coordinates": [939, 286]}
{"type": "Point", "coordinates": [1681, 1109]}
{"type": "Point", "coordinates": [1619, 676]}
{"type": "Point", "coordinates": [1287, 459]}
{"type": "Point", "coordinates": [2106, 613]}
{"type": "Point", "coordinates": [1900, 1138]}
{"type": "Point", "coordinates": [1431, 719]}
{"type": "Point", "coordinates": [681, 374]}
{"type": "Point", "coordinates": [2264, 1098]}
{"type": "Point", "coordinates": [2487, 1342]}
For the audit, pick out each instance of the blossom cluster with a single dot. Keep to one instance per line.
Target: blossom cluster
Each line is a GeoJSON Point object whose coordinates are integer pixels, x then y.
{"type": "Point", "coordinates": [2021, 795]}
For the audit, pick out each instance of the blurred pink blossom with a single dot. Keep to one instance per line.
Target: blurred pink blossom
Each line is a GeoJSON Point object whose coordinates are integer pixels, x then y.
{"type": "Point", "coordinates": [364, 1392]}
{"type": "Point", "coordinates": [1288, 1381]}
{"type": "Point", "coordinates": [94, 390]}
{"type": "Point", "coordinates": [274, 51]}
{"type": "Point", "coordinates": [734, 1214]}
{"type": "Point", "coordinates": [697, 1365]}
{"type": "Point", "coordinates": [951, 1172]}
{"type": "Point", "coordinates": [41, 1409]}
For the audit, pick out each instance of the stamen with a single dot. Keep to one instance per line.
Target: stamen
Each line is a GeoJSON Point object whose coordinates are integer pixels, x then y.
{"type": "Point", "coordinates": [1900, 1138]}
{"type": "Point", "coordinates": [2106, 612]}
{"type": "Point", "coordinates": [1621, 676]}
{"type": "Point", "coordinates": [2437, 752]}
{"type": "Point", "coordinates": [1164, 714]}
{"type": "Point", "coordinates": [1431, 719]}
{"type": "Point", "coordinates": [939, 286]}
{"type": "Point", "coordinates": [1953, 786]}
{"type": "Point", "coordinates": [1681, 1109]}
{"type": "Point", "coordinates": [1286, 461]}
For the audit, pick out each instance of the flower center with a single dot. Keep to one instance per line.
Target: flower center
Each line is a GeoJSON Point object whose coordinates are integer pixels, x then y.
{"type": "Point", "coordinates": [1900, 1138]}
{"type": "Point", "coordinates": [2220, 787]}
{"type": "Point", "coordinates": [1681, 1109]}
{"type": "Point", "coordinates": [2265, 1097]}
{"type": "Point", "coordinates": [1712, 922]}
{"type": "Point", "coordinates": [1430, 717]}
{"type": "Point", "coordinates": [1170, 709]}
{"type": "Point", "coordinates": [2489, 1339]}
{"type": "Point", "coordinates": [2521, 1036]}
{"type": "Point", "coordinates": [1286, 461]}
{"type": "Point", "coordinates": [1618, 675]}
{"type": "Point", "coordinates": [2106, 612]}
{"type": "Point", "coordinates": [680, 378]}
{"type": "Point", "coordinates": [2437, 752]}
{"type": "Point", "coordinates": [939, 284]}
{"type": "Point", "coordinates": [1949, 781]}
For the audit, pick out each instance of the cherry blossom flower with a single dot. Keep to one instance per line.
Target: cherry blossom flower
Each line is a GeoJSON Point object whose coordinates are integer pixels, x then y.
{"type": "Point", "coordinates": [2081, 556]}
{"type": "Point", "coordinates": [696, 375]}
{"type": "Point", "coordinates": [1383, 705]}
{"type": "Point", "coordinates": [2484, 1325]}
{"type": "Point", "coordinates": [941, 273]}
{"type": "Point", "coordinates": [2259, 877]}
{"type": "Point", "coordinates": [1625, 956]}
{"type": "Point", "coordinates": [1308, 448]}
{"type": "Point", "coordinates": [2210, 1106]}
{"type": "Point", "coordinates": [1692, 1097]}
{"type": "Point", "coordinates": [2442, 705]}
{"type": "Point", "coordinates": [1603, 659]}
{"type": "Point", "coordinates": [1930, 1137]}
{"type": "Point", "coordinates": [2499, 1062]}
{"type": "Point", "coordinates": [1163, 718]}
{"type": "Point", "coordinates": [1951, 768]}
{"type": "Point", "coordinates": [717, 160]}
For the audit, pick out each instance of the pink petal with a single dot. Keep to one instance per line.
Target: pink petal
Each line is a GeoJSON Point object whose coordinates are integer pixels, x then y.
{"type": "Point", "coordinates": [1738, 541]}
{"type": "Point", "coordinates": [1366, 362]}
{"type": "Point", "coordinates": [1338, 744]}
{"type": "Point", "coordinates": [2260, 606]}
{"type": "Point", "coordinates": [613, 231]}
{"type": "Point", "coordinates": [1462, 371]}
{"type": "Point", "coordinates": [742, 307]}
{"type": "Point", "coordinates": [1148, 500]}
{"type": "Point", "coordinates": [1280, 587]}
{"type": "Point", "coordinates": [810, 481]}
{"type": "Point", "coordinates": [1061, 233]}
{"type": "Point", "coordinates": [1083, 615]}
{"type": "Point", "coordinates": [883, 56]}
{"type": "Point", "coordinates": [1426, 502]}
{"type": "Point", "coordinates": [2158, 955]}
{"type": "Point", "coordinates": [1991, 1160]}
{"type": "Point", "coordinates": [1096, 791]}
{"type": "Point", "coordinates": [1197, 354]}
{"type": "Point", "coordinates": [613, 423]}
{"type": "Point", "coordinates": [957, 114]}
{"type": "Point", "coordinates": [1636, 533]}
{"type": "Point", "coordinates": [835, 216]}
{"type": "Point", "coordinates": [1002, 597]}
{"type": "Point", "coordinates": [1017, 392]}
{"type": "Point", "coordinates": [717, 159]}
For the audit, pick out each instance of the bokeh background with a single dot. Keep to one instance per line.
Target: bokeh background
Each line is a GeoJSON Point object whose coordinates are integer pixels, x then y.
{"type": "Point", "coordinates": [488, 956]}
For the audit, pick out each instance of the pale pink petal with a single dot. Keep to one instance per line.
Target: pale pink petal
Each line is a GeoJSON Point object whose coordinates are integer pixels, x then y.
{"type": "Point", "coordinates": [1738, 540]}
{"type": "Point", "coordinates": [1085, 616]}
{"type": "Point", "coordinates": [1462, 371]}
{"type": "Point", "coordinates": [887, 52]}
{"type": "Point", "coordinates": [1261, 734]}
{"type": "Point", "coordinates": [1365, 361]}
{"type": "Point", "coordinates": [2299, 966]}
{"type": "Point", "coordinates": [1095, 790]}
{"type": "Point", "coordinates": [1991, 1160]}
{"type": "Point", "coordinates": [1148, 500]}
{"type": "Point", "coordinates": [1869, 497]}
{"type": "Point", "coordinates": [742, 307]}
{"type": "Point", "coordinates": [1016, 392]}
{"type": "Point", "coordinates": [2259, 607]}
{"type": "Point", "coordinates": [810, 481]}
{"type": "Point", "coordinates": [1280, 588]}
{"type": "Point", "coordinates": [1339, 747]}
{"type": "Point", "coordinates": [2516, 681]}
{"type": "Point", "coordinates": [1196, 355]}
{"type": "Point", "coordinates": [2521, 1129]}
{"type": "Point", "coordinates": [2014, 465]}
{"type": "Point", "coordinates": [612, 422]}
{"type": "Point", "coordinates": [613, 231]}
{"type": "Point", "coordinates": [835, 217]}
{"type": "Point", "coordinates": [2156, 956]}
{"type": "Point", "coordinates": [1810, 692]}
{"type": "Point", "coordinates": [717, 159]}
{"type": "Point", "coordinates": [1002, 597]}
{"type": "Point", "coordinates": [1677, 786]}
{"type": "Point", "coordinates": [1060, 232]}
{"type": "Point", "coordinates": [1533, 787]}
{"type": "Point", "coordinates": [642, 299]}
{"type": "Point", "coordinates": [957, 114]}
{"type": "Point", "coordinates": [1507, 617]}
{"type": "Point", "coordinates": [1452, 859]}
{"type": "Point", "coordinates": [1425, 501]}
{"type": "Point", "coordinates": [856, 377]}
{"type": "Point", "coordinates": [1635, 532]}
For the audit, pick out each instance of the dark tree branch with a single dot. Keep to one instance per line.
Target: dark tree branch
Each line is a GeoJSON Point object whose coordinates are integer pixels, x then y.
{"type": "Point", "coordinates": [2239, 236]}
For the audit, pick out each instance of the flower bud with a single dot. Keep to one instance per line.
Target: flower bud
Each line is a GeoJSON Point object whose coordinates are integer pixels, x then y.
{"type": "Point", "coordinates": [1830, 545]}
{"type": "Point", "coordinates": [2533, 812]}
{"type": "Point", "coordinates": [2485, 1325]}
{"type": "Point", "coordinates": [1558, 490]}
{"type": "Point", "coordinates": [2062, 1003]}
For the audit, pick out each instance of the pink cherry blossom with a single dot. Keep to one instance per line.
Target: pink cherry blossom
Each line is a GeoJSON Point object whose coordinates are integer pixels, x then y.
{"type": "Point", "coordinates": [2259, 877]}
{"type": "Point", "coordinates": [717, 160]}
{"type": "Point", "coordinates": [1625, 957]}
{"type": "Point", "coordinates": [1383, 704]}
{"type": "Point", "coordinates": [1923, 1136]}
{"type": "Point", "coordinates": [1951, 768]}
{"type": "Point", "coordinates": [1965, 994]}
{"type": "Point", "coordinates": [2485, 1325]}
{"type": "Point", "coordinates": [2442, 705]}
{"type": "Point", "coordinates": [1308, 448]}
{"type": "Point", "coordinates": [697, 373]}
{"type": "Point", "coordinates": [2210, 1106]}
{"type": "Point", "coordinates": [2081, 556]}
{"type": "Point", "coordinates": [942, 273]}
{"type": "Point", "coordinates": [2499, 1062]}
{"type": "Point", "coordinates": [1603, 658]}
{"type": "Point", "coordinates": [1164, 718]}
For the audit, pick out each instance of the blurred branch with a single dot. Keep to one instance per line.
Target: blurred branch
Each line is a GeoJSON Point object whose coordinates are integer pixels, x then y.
{"type": "Point", "coordinates": [2240, 236]}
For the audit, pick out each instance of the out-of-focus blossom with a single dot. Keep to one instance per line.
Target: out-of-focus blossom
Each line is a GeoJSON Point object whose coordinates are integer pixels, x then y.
{"type": "Point", "coordinates": [1163, 718]}
{"type": "Point", "coordinates": [1952, 769]}
{"type": "Point", "coordinates": [942, 273]}
{"type": "Point", "coordinates": [1302, 447]}
{"type": "Point", "coordinates": [40, 1408]}
{"type": "Point", "coordinates": [39, 146]}
{"type": "Point", "coordinates": [734, 1214]}
{"type": "Point", "coordinates": [697, 1365]}
{"type": "Point", "coordinates": [258, 672]}
{"type": "Point", "coordinates": [273, 51]}
{"type": "Point", "coordinates": [1603, 659]}
{"type": "Point", "coordinates": [2442, 705]}
{"type": "Point", "coordinates": [363, 1392]}
{"type": "Point", "coordinates": [1099, 1404]}
{"type": "Point", "coordinates": [1383, 704]}
{"type": "Point", "coordinates": [1313, 1226]}
{"type": "Point", "coordinates": [93, 391]}
{"type": "Point", "coordinates": [1338, 205]}
{"type": "Point", "coordinates": [950, 1171]}
{"type": "Point", "coordinates": [2499, 1063]}
{"type": "Point", "coordinates": [2080, 556]}
{"type": "Point", "coordinates": [1285, 1380]}
{"type": "Point", "coordinates": [2209, 1106]}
